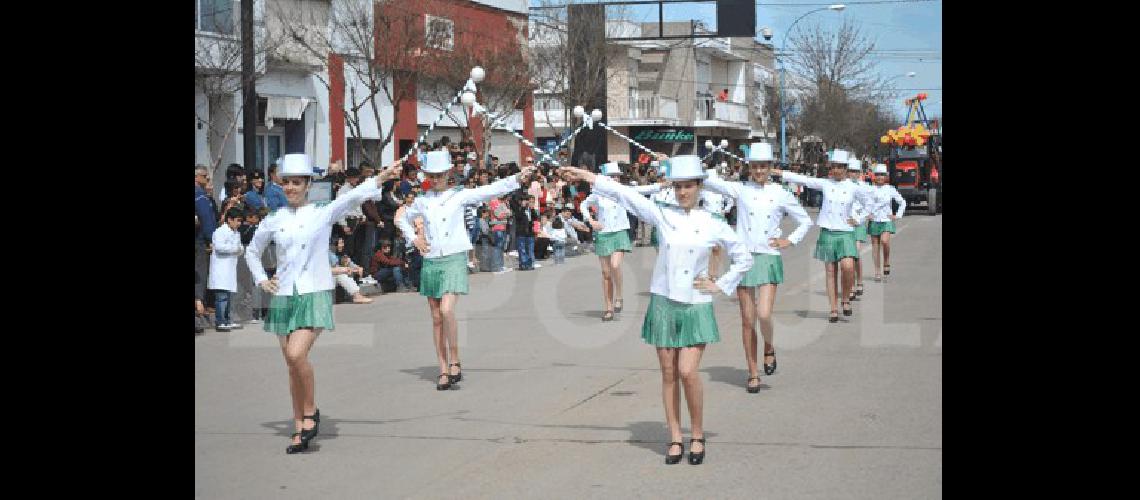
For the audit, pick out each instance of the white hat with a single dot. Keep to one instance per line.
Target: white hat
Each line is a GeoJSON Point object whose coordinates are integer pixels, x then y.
{"type": "Point", "coordinates": [880, 168]}
{"type": "Point", "coordinates": [854, 165]}
{"type": "Point", "coordinates": [760, 151]}
{"type": "Point", "coordinates": [837, 156]}
{"type": "Point", "coordinates": [437, 162]}
{"type": "Point", "coordinates": [611, 168]}
{"type": "Point", "coordinates": [684, 167]}
{"type": "Point", "coordinates": [295, 164]}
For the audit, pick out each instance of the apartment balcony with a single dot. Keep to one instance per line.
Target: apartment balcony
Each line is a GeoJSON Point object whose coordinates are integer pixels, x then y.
{"type": "Point", "coordinates": [653, 110]}
{"type": "Point", "coordinates": [714, 113]}
{"type": "Point", "coordinates": [550, 112]}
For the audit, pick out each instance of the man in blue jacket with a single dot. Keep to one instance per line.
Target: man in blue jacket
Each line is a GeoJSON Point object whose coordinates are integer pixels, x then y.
{"type": "Point", "coordinates": [274, 193]}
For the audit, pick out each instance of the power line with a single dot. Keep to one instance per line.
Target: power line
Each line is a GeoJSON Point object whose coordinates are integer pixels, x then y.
{"type": "Point", "coordinates": [877, 2]}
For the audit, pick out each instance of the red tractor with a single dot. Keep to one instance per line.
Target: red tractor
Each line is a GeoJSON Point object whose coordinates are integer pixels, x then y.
{"type": "Point", "coordinates": [915, 159]}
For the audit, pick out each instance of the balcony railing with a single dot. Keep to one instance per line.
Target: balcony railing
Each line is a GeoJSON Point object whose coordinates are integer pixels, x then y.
{"type": "Point", "coordinates": [712, 109]}
{"type": "Point", "coordinates": [652, 107]}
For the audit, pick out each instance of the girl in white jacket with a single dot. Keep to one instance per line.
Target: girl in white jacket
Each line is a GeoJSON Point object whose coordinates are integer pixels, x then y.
{"type": "Point", "coordinates": [680, 321]}
{"type": "Point", "coordinates": [882, 224]}
{"type": "Point", "coordinates": [301, 307]}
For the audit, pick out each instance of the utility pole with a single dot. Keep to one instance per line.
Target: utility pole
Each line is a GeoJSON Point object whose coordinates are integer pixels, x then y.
{"type": "Point", "coordinates": [248, 91]}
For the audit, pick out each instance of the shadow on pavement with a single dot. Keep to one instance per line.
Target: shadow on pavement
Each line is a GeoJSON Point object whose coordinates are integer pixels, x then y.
{"type": "Point", "coordinates": [734, 376]}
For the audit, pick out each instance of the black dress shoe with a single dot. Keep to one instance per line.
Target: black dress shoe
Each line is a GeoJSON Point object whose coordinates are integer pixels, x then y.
{"type": "Point", "coordinates": [457, 377]}
{"type": "Point", "coordinates": [753, 389]}
{"type": "Point", "coordinates": [847, 309]}
{"type": "Point", "coordinates": [309, 434]}
{"type": "Point", "coordinates": [672, 459]}
{"type": "Point", "coordinates": [834, 318]}
{"type": "Point", "coordinates": [297, 448]}
{"type": "Point", "coordinates": [770, 368]}
{"type": "Point", "coordinates": [444, 385]}
{"type": "Point", "coordinates": [695, 458]}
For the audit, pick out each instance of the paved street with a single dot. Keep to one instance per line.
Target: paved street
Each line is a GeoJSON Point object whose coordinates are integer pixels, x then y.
{"type": "Point", "coordinates": [556, 404]}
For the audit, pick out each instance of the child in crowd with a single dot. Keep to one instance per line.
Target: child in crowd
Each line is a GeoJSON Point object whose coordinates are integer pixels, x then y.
{"type": "Point", "coordinates": [223, 268]}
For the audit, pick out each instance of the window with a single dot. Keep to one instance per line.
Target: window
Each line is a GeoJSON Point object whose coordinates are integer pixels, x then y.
{"type": "Point", "coordinates": [371, 147]}
{"type": "Point", "coordinates": [440, 32]}
{"type": "Point", "coordinates": [216, 16]}
{"type": "Point", "coordinates": [268, 150]}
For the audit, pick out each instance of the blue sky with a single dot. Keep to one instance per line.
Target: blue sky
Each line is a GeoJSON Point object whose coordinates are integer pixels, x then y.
{"type": "Point", "coordinates": [909, 26]}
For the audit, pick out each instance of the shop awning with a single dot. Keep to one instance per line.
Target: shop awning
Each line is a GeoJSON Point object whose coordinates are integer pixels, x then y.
{"type": "Point", "coordinates": [286, 107]}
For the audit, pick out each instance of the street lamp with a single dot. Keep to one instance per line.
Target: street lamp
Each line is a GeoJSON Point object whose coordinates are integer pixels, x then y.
{"type": "Point", "coordinates": [783, 69]}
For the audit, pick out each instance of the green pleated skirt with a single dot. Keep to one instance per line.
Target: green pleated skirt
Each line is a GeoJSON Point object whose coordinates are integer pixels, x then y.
{"type": "Point", "coordinates": [676, 324]}
{"type": "Point", "coordinates": [767, 269]}
{"type": "Point", "coordinates": [308, 310]}
{"type": "Point", "coordinates": [878, 228]}
{"type": "Point", "coordinates": [615, 241]}
{"type": "Point", "coordinates": [835, 245]}
{"type": "Point", "coordinates": [447, 274]}
{"type": "Point", "coordinates": [861, 233]}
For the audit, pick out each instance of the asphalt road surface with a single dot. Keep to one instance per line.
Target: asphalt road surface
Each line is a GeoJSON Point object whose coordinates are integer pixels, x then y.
{"type": "Point", "coordinates": [556, 404]}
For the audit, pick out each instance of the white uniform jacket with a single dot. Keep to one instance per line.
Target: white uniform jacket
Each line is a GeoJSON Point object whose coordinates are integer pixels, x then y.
{"type": "Point", "coordinates": [442, 212]}
{"type": "Point", "coordinates": [880, 207]}
{"type": "Point", "coordinates": [838, 199]}
{"type": "Point", "coordinates": [301, 236]}
{"type": "Point", "coordinates": [760, 210]}
{"type": "Point", "coordinates": [687, 239]}
{"type": "Point", "coordinates": [610, 213]}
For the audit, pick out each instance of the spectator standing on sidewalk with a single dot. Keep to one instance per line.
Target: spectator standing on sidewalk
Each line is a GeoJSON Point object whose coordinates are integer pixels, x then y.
{"type": "Point", "coordinates": [274, 193]}
{"type": "Point", "coordinates": [223, 268]}
{"type": "Point", "coordinates": [500, 215]}
{"type": "Point", "coordinates": [253, 192]}
{"type": "Point", "coordinates": [524, 233]}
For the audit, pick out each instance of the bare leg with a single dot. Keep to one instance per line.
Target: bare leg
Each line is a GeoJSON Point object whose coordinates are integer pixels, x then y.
{"type": "Point", "coordinates": [607, 283]}
{"type": "Point", "coordinates": [615, 273]}
{"type": "Point", "coordinates": [302, 385]}
{"type": "Point", "coordinates": [765, 300]}
{"type": "Point", "coordinates": [714, 262]}
{"type": "Point", "coordinates": [876, 246]}
{"type": "Point", "coordinates": [831, 277]}
{"type": "Point", "coordinates": [847, 268]}
{"type": "Point", "coordinates": [886, 248]}
{"type": "Point", "coordinates": [450, 328]}
{"type": "Point", "coordinates": [688, 365]}
{"type": "Point", "coordinates": [747, 299]}
{"type": "Point", "coordinates": [438, 334]}
{"type": "Point", "coordinates": [858, 262]}
{"type": "Point", "coordinates": [670, 394]}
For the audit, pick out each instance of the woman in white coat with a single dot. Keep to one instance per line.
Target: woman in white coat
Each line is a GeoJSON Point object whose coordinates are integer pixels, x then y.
{"type": "Point", "coordinates": [679, 321]}
{"type": "Point", "coordinates": [611, 240]}
{"type": "Point", "coordinates": [882, 224]}
{"type": "Point", "coordinates": [836, 244]}
{"type": "Point", "coordinates": [301, 307]}
{"type": "Point", "coordinates": [444, 244]}
{"type": "Point", "coordinates": [760, 206]}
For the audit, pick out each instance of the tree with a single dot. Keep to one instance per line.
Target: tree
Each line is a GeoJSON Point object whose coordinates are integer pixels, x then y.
{"type": "Point", "coordinates": [500, 50]}
{"type": "Point", "coordinates": [557, 55]}
{"type": "Point", "coordinates": [217, 74]}
{"type": "Point", "coordinates": [845, 102]}
{"type": "Point", "coordinates": [378, 45]}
